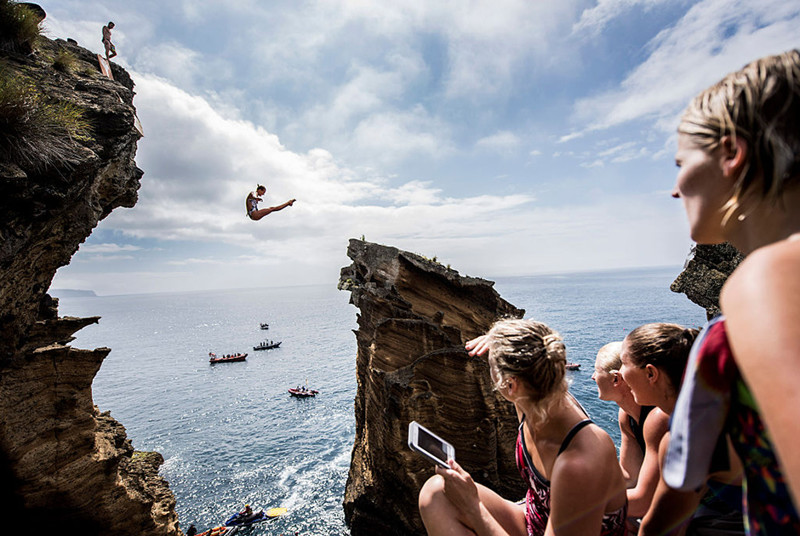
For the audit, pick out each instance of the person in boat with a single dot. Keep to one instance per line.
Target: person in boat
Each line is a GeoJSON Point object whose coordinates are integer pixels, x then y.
{"type": "Point", "coordinates": [254, 198]}
{"type": "Point", "coordinates": [641, 430]}
{"type": "Point", "coordinates": [575, 485]}
{"type": "Point", "coordinates": [653, 358]}
{"type": "Point", "coordinates": [739, 181]}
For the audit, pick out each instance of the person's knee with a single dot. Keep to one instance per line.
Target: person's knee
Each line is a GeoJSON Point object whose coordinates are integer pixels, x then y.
{"type": "Point", "coordinates": [431, 493]}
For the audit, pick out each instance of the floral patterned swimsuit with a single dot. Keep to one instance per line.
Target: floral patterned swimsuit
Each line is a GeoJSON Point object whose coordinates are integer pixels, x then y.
{"type": "Point", "coordinates": [537, 501]}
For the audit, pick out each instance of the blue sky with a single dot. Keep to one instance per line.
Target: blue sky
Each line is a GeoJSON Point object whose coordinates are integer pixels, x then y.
{"type": "Point", "coordinates": [504, 137]}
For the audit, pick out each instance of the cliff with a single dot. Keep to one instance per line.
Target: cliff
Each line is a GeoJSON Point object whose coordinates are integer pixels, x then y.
{"type": "Point", "coordinates": [68, 140]}
{"type": "Point", "coordinates": [415, 316]}
{"type": "Point", "coordinates": [704, 273]}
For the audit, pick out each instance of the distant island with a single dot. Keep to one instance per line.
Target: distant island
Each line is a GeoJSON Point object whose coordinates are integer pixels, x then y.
{"type": "Point", "coordinates": [72, 293]}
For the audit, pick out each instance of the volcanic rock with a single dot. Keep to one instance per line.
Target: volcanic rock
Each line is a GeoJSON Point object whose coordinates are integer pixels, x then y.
{"type": "Point", "coordinates": [415, 316]}
{"type": "Point", "coordinates": [705, 271]}
{"type": "Point", "coordinates": [64, 466]}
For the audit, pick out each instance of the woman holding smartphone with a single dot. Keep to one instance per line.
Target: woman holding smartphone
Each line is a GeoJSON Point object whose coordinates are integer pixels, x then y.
{"type": "Point", "coordinates": [570, 464]}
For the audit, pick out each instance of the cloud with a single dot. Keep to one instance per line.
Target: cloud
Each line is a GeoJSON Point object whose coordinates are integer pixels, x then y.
{"type": "Point", "coordinates": [594, 20]}
{"type": "Point", "coordinates": [108, 248]}
{"type": "Point", "coordinates": [500, 142]}
{"type": "Point", "coordinates": [712, 39]}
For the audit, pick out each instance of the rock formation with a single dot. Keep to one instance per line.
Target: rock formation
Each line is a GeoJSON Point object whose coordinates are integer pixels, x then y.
{"type": "Point", "coordinates": [415, 316]}
{"type": "Point", "coordinates": [63, 464]}
{"type": "Point", "coordinates": [704, 273]}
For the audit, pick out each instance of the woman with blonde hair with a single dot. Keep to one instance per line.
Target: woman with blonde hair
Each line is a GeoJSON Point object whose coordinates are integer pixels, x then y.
{"type": "Point", "coordinates": [641, 429]}
{"type": "Point", "coordinates": [739, 180]}
{"type": "Point", "coordinates": [570, 464]}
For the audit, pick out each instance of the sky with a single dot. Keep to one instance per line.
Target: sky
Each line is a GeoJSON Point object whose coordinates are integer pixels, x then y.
{"type": "Point", "coordinates": [502, 137]}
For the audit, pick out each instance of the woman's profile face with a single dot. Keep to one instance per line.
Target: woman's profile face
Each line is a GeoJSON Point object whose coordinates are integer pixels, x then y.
{"type": "Point", "coordinates": [636, 378]}
{"type": "Point", "coordinates": [605, 382]}
{"type": "Point", "coordinates": [703, 188]}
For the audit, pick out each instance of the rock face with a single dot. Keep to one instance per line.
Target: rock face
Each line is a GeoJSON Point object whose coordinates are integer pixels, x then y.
{"type": "Point", "coordinates": [706, 270]}
{"type": "Point", "coordinates": [415, 316]}
{"type": "Point", "coordinates": [62, 462]}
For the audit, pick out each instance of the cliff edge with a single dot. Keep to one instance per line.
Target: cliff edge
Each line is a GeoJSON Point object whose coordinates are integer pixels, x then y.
{"type": "Point", "coordinates": [415, 316]}
{"type": "Point", "coordinates": [68, 140]}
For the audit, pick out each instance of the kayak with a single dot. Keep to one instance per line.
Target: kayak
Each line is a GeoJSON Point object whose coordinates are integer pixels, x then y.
{"type": "Point", "coordinates": [237, 520]}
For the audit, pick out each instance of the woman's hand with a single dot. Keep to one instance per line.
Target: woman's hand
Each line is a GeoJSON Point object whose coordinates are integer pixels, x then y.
{"type": "Point", "coordinates": [460, 489]}
{"type": "Point", "coordinates": [478, 345]}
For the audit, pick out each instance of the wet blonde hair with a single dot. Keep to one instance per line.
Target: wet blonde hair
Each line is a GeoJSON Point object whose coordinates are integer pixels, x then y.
{"type": "Point", "coordinates": [533, 353]}
{"type": "Point", "coordinates": [761, 104]}
{"type": "Point", "coordinates": [608, 357]}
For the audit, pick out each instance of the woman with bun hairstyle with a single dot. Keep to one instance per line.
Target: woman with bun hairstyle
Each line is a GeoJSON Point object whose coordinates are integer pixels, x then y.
{"type": "Point", "coordinates": [739, 180]}
{"type": "Point", "coordinates": [570, 464]}
{"type": "Point", "coordinates": [641, 429]}
{"type": "Point", "coordinates": [654, 358]}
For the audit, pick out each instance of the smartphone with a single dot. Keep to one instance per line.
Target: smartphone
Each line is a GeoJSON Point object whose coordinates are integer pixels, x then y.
{"type": "Point", "coordinates": [430, 445]}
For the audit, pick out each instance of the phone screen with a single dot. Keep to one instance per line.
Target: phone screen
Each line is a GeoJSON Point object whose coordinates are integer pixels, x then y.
{"type": "Point", "coordinates": [431, 444]}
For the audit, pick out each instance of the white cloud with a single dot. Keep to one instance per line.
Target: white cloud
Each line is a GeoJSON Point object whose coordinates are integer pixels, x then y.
{"type": "Point", "coordinates": [108, 248]}
{"type": "Point", "coordinates": [500, 142]}
{"type": "Point", "coordinates": [594, 20]}
{"type": "Point", "coordinates": [712, 39]}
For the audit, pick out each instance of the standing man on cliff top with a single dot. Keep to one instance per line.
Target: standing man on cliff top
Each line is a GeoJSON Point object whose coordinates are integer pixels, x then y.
{"type": "Point", "coordinates": [111, 50]}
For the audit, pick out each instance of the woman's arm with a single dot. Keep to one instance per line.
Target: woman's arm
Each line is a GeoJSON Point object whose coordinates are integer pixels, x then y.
{"type": "Point", "coordinates": [762, 310]}
{"type": "Point", "coordinates": [640, 497]}
{"type": "Point", "coordinates": [670, 510]}
{"type": "Point", "coordinates": [630, 454]}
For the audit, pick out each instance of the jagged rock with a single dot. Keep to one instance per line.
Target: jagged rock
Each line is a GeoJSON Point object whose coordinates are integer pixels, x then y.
{"type": "Point", "coordinates": [64, 466]}
{"type": "Point", "coordinates": [706, 270]}
{"type": "Point", "coordinates": [415, 316]}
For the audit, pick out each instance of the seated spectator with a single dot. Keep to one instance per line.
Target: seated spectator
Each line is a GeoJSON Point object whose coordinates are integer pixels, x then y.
{"type": "Point", "coordinates": [641, 429]}
{"type": "Point", "coordinates": [570, 464]}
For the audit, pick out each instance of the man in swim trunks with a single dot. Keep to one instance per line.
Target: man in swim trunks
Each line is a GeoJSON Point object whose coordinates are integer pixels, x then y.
{"type": "Point", "coordinates": [111, 50]}
{"type": "Point", "coordinates": [253, 198]}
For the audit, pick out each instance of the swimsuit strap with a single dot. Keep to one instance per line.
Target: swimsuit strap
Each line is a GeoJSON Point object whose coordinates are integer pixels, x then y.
{"type": "Point", "coordinates": [571, 434]}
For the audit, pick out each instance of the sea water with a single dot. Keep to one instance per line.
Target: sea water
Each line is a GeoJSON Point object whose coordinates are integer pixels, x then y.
{"type": "Point", "coordinates": [230, 433]}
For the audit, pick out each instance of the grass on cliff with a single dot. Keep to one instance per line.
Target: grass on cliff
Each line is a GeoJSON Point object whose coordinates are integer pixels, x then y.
{"type": "Point", "coordinates": [19, 27]}
{"type": "Point", "coordinates": [65, 61]}
{"type": "Point", "coordinates": [36, 132]}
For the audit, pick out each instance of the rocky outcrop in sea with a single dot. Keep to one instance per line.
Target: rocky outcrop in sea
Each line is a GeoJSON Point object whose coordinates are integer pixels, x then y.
{"type": "Point", "coordinates": [706, 270]}
{"type": "Point", "coordinates": [414, 317]}
{"type": "Point", "coordinates": [67, 150]}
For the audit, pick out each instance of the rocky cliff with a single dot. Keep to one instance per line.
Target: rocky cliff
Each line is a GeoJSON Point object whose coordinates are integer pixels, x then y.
{"type": "Point", "coordinates": [67, 147]}
{"type": "Point", "coordinates": [706, 270]}
{"type": "Point", "coordinates": [415, 316]}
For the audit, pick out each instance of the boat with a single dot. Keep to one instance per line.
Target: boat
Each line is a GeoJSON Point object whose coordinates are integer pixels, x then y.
{"type": "Point", "coordinates": [267, 345]}
{"type": "Point", "coordinates": [220, 531]}
{"type": "Point", "coordinates": [226, 358]}
{"type": "Point", "coordinates": [264, 325]}
{"type": "Point", "coordinates": [573, 366]}
{"type": "Point", "coordinates": [302, 392]}
{"type": "Point", "coordinates": [238, 520]}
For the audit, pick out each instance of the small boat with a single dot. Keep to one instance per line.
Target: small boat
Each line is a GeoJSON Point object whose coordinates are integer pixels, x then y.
{"type": "Point", "coordinates": [573, 366]}
{"type": "Point", "coordinates": [226, 358]}
{"type": "Point", "coordinates": [264, 325]}
{"type": "Point", "coordinates": [238, 520]}
{"type": "Point", "coordinates": [302, 392]}
{"type": "Point", "coordinates": [220, 531]}
{"type": "Point", "coordinates": [267, 345]}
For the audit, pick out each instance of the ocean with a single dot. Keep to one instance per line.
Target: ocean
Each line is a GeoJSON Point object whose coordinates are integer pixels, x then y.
{"type": "Point", "coordinates": [230, 433]}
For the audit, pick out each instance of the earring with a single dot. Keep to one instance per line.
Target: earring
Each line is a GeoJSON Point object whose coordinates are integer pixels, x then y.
{"type": "Point", "coordinates": [741, 217]}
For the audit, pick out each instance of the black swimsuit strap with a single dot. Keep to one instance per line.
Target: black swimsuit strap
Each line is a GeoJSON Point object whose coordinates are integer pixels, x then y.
{"type": "Point", "coordinates": [571, 434]}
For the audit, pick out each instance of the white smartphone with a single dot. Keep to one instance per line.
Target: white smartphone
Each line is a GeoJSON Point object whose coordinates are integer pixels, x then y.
{"type": "Point", "coordinates": [430, 445]}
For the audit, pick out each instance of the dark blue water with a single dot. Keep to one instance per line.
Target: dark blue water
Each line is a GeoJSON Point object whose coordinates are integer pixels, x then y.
{"type": "Point", "coordinates": [231, 434]}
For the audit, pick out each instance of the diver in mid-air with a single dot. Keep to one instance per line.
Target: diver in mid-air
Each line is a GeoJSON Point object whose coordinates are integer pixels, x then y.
{"type": "Point", "coordinates": [253, 198]}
